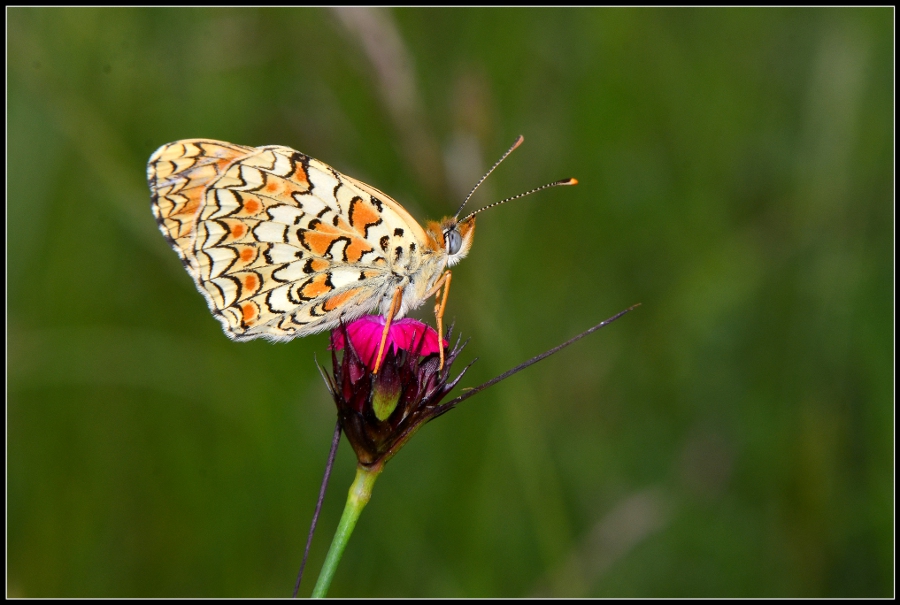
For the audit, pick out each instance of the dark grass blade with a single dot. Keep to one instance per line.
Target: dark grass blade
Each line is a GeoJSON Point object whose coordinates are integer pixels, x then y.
{"type": "Point", "coordinates": [312, 528]}
{"type": "Point", "coordinates": [536, 359]}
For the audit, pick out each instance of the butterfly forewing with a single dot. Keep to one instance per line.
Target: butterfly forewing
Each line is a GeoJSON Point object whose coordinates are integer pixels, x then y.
{"type": "Point", "coordinates": [281, 244]}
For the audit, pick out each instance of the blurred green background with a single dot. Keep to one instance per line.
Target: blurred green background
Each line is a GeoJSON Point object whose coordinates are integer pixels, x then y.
{"type": "Point", "coordinates": [731, 437]}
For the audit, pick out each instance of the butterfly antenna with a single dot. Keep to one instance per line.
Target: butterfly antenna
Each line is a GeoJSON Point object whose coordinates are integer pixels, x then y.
{"type": "Point", "coordinates": [515, 197]}
{"type": "Point", "coordinates": [481, 180]}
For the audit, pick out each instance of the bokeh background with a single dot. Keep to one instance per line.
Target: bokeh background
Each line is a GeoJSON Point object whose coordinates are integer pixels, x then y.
{"type": "Point", "coordinates": [731, 437]}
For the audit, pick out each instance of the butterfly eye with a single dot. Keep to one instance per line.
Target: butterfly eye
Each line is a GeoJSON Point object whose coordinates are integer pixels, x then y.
{"type": "Point", "coordinates": [454, 241]}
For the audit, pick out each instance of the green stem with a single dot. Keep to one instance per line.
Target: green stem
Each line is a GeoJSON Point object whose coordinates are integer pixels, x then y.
{"type": "Point", "coordinates": [359, 495]}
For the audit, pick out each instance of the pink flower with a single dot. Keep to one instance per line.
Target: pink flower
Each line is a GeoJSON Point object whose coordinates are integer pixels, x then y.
{"type": "Point", "coordinates": [380, 412]}
{"type": "Point", "coordinates": [406, 334]}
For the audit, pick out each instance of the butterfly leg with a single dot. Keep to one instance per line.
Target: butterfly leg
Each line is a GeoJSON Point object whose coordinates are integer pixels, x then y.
{"type": "Point", "coordinates": [440, 303]}
{"type": "Point", "coordinates": [395, 306]}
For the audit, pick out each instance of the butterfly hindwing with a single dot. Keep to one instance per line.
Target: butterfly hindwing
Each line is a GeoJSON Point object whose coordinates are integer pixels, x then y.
{"type": "Point", "coordinates": [178, 174]}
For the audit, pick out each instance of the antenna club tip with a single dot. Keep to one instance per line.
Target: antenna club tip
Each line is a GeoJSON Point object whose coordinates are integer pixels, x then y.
{"type": "Point", "coordinates": [519, 140]}
{"type": "Point", "coordinates": [569, 182]}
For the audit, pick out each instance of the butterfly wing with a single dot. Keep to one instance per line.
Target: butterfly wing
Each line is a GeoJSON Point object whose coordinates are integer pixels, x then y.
{"type": "Point", "coordinates": [280, 244]}
{"type": "Point", "coordinates": [178, 174]}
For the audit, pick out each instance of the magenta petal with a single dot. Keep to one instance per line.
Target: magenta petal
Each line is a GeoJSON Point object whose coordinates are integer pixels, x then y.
{"type": "Point", "coordinates": [407, 333]}
{"type": "Point", "coordinates": [365, 333]}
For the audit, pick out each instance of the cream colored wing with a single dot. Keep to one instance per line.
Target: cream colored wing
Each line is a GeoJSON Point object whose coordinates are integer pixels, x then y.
{"type": "Point", "coordinates": [178, 174]}
{"type": "Point", "coordinates": [280, 244]}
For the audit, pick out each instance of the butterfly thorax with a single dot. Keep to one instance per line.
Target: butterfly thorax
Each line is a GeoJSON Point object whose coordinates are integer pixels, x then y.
{"type": "Point", "coordinates": [446, 243]}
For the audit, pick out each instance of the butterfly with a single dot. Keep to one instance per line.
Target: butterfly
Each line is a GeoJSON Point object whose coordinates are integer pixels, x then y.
{"type": "Point", "coordinates": [282, 245]}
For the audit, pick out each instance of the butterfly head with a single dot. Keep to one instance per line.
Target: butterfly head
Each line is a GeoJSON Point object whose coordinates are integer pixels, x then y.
{"type": "Point", "coordinates": [453, 236]}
